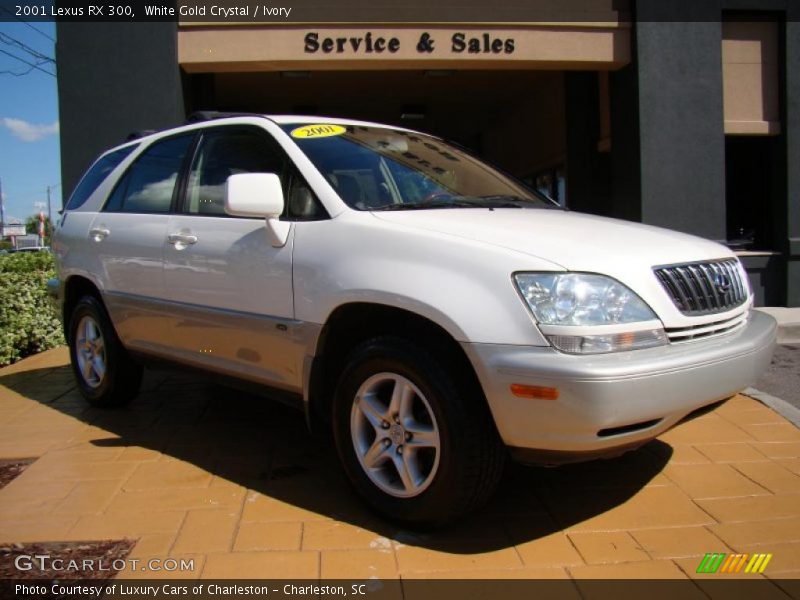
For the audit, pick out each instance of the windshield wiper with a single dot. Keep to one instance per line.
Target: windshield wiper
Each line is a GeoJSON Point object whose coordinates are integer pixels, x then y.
{"type": "Point", "coordinates": [505, 202]}
{"type": "Point", "coordinates": [463, 202]}
{"type": "Point", "coordinates": [426, 205]}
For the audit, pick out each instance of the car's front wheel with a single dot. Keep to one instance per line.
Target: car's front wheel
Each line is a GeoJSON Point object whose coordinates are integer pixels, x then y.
{"type": "Point", "coordinates": [105, 373]}
{"type": "Point", "coordinates": [415, 440]}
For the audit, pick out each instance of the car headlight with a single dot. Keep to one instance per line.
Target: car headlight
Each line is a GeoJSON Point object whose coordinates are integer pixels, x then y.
{"type": "Point", "coordinates": [583, 313]}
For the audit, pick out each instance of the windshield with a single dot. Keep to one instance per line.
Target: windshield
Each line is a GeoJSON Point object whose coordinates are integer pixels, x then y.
{"type": "Point", "coordinates": [377, 168]}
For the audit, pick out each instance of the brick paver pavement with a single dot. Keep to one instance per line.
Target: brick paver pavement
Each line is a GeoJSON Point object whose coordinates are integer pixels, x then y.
{"type": "Point", "coordinates": [236, 482]}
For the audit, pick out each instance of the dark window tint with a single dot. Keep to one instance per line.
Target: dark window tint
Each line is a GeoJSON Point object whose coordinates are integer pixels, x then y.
{"type": "Point", "coordinates": [301, 203]}
{"type": "Point", "coordinates": [221, 155]}
{"type": "Point", "coordinates": [97, 175]}
{"type": "Point", "coordinates": [149, 184]}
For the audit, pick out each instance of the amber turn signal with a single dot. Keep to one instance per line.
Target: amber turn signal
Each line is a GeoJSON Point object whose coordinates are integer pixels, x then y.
{"type": "Point", "coordinates": [534, 392]}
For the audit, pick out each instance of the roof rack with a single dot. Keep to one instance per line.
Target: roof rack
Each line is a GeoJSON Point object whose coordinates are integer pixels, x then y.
{"type": "Point", "coordinates": [196, 117]}
{"type": "Point", "coordinates": [210, 115]}
{"type": "Point", "coordinates": [135, 135]}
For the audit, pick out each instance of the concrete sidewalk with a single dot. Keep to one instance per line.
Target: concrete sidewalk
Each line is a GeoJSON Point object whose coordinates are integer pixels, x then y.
{"type": "Point", "coordinates": [235, 482]}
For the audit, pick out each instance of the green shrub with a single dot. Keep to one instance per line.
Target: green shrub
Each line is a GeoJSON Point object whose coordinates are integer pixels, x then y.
{"type": "Point", "coordinates": [28, 321]}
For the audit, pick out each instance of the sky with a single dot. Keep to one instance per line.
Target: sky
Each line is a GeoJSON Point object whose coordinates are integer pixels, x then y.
{"type": "Point", "coordinates": [29, 145]}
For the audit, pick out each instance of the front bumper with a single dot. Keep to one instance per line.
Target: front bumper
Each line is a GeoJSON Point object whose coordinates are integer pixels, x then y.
{"type": "Point", "coordinates": [614, 402]}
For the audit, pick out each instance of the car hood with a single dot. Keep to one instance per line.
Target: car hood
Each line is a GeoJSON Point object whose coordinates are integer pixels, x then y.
{"type": "Point", "coordinates": [575, 241]}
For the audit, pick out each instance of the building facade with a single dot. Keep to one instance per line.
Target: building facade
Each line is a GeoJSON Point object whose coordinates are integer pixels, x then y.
{"type": "Point", "coordinates": [683, 114]}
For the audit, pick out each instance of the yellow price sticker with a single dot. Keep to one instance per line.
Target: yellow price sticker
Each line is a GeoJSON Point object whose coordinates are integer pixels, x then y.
{"type": "Point", "coordinates": [317, 131]}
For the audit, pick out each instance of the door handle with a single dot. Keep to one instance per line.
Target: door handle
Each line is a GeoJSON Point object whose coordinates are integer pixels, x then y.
{"type": "Point", "coordinates": [98, 234]}
{"type": "Point", "coordinates": [182, 239]}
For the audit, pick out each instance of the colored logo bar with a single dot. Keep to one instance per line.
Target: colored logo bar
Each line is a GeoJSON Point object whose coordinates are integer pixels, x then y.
{"type": "Point", "coordinates": [719, 562]}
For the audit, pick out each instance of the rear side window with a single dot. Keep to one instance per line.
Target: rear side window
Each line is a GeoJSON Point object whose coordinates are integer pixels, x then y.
{"type": "Point", "coordinates": [96, 175]}
{"type": "Point", "coordinates": [149, 184]}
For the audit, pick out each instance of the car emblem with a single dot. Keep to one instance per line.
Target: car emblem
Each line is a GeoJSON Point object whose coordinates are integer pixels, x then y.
{"type": "Point", "coordinates": [722, 282]}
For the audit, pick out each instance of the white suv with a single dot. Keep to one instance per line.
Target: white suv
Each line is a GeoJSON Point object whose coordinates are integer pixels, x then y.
{"type": "Point", "coordinates": [431, 311]}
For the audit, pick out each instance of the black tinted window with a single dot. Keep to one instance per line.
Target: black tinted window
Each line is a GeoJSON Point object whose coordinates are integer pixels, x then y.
{"type": "Point", "coordinates": [221, 155]}
{"type": "Point", "coordinates": [97, 175]}
{"type": "Point", "coordinates": [149, 184]}
{"type": "Point", "coordinates": [301, 203]}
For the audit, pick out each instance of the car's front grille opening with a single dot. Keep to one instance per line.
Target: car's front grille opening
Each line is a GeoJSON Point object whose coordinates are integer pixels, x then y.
{"type": "Point", "coordinates": [704, 288]}
{"type": "Point", "coordinates": [612, 431]}
{"type": "Point", "coordinates": [695, 332]}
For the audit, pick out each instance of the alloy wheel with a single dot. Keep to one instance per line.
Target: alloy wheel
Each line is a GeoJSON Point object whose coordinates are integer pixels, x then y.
{"type": "Point", "coordinates": [395, 435]}
{"type": "Point", "coordinates": [90, 352]}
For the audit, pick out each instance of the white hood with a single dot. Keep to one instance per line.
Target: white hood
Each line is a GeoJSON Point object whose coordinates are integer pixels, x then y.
{"type": "Point", "coordinates": [577, 242]}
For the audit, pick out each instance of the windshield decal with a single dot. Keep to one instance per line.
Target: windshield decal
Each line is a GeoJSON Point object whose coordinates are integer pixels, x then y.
{"type": "Point", "coordinates": [317, 131]}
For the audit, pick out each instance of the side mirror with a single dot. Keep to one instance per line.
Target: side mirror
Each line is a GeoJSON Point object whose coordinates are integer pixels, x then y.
{"type": "Point", "coordinates": [258, 195]}
{"type": "Point", "coordinates": [254, 195]}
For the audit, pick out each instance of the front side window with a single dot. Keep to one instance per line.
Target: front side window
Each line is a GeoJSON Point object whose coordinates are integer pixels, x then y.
{"type": "Point", "coordinates": [96, 175]}
{"type": "Point", "coordinates": [378, 168]}
{"type": "Point", "coordinates": [149, 185]}
{"type": "Point", "coordinates": [222, 154]}
{"type": "Point", "coordinates": [301, 203]}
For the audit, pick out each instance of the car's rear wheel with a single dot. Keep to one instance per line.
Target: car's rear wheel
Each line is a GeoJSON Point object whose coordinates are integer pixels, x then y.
{"type": "Point", "coordinates": [105, 373]}
{"type": "Point", "coordinates": [415, 440]}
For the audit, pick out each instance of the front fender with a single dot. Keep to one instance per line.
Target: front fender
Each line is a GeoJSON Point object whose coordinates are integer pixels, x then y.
{"type": "Point", "coordinates": [463, 285]}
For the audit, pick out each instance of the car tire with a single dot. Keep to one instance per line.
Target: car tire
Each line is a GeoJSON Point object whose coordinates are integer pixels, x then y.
{"type": "Point", "coordinates": [105, 373]}
{"type": "Point", "coordinates": [415, 437]}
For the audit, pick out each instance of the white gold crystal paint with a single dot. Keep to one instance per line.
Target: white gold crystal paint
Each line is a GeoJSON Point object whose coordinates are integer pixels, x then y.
{"type": "Point", "coordinates": [175, 282]}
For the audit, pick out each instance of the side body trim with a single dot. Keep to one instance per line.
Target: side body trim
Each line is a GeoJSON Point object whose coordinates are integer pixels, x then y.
{"type": "Point", "coordinates": [259, 348]}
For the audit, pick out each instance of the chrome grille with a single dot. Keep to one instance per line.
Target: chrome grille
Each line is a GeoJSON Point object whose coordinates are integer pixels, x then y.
{"type": "Point", "coordinates": [696, 332]}
{"type": "Point", "coordinates": [704, 288]}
